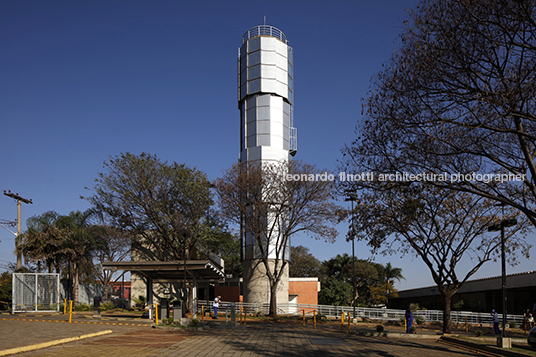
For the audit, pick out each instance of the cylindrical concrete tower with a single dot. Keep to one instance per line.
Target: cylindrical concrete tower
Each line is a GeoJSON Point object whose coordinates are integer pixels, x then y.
{"type": "Point", "coordinates": [265, 97]}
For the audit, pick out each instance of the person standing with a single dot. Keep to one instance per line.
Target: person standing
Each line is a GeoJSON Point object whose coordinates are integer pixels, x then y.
{"type": "Point", "coordinates": [495, 322]}
{"type": "Point", "coordinates": [529, 319]}
{"type": "Point", "coordinates": [215, 306]}
{"type": "Point", "coordinates": [409, 319]}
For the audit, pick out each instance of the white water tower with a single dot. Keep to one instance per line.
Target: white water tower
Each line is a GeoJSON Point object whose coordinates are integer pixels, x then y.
{"type": "Point", "coordinates": [265, 98]}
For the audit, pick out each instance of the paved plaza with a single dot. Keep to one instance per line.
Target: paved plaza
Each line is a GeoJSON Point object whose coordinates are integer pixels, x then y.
{"type": "Point", "coordinates": [132, 338]}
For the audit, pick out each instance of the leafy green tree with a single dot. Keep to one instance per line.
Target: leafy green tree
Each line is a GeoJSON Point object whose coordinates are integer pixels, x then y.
{"type": "Point", "coordinates": [215, 238]}
{"type": "Point", "coordinates": [335, 292]}
{"type": "Point", "coordinates": [303, 263]}
{"type": "Point", "coordinates": [77, 244]}
{"type": "Point", "coordinates": [366, 276]}
{"type": "Point", "coordinates": [59, 240]}
{"type": "Point", "coordinates": [42, 243]}
{"type": "Point", "coordinates": [389, 274]}
{"type": "Point", "coordinates": [5, 290]}
{"type": "Point", "coordinates": [341, 268]}
{"type": "Point", "coordinates": [161, 205]}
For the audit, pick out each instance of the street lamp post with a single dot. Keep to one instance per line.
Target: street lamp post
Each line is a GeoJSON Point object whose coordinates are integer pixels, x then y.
{"type": "Point", "coordinates": [505, 223]}
{"type": "Point", "coordinates": [185, 234]}
{"type": "Point", "coordinates": [352, 196]}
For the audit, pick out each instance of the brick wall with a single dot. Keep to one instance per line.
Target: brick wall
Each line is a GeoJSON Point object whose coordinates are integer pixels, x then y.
{"type": "Point", "coordinates": [306, 289]}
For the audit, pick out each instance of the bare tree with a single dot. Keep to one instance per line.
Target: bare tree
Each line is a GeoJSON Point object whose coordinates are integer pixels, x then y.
{"type": "Point", "coordinates": [273, 201]}
{"type": "Point", "coordinates": [439, 226]}
{"type": "Point", "coordinates": [458, 97]}
{"type": "Point", "coordinates": [111, 245]}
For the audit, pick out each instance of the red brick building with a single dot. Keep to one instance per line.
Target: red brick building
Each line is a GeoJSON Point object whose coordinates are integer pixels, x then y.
{"type": "Point", "coordinates": [301, 291]}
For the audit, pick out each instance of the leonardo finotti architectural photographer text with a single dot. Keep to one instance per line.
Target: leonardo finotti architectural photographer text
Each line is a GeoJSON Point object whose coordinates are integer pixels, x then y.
{"type": "Point", "coordinates": [407, 177]}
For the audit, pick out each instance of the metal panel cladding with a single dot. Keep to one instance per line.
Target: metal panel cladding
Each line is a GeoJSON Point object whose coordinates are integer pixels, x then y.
{"type": "Point", "coordinates": [265, 63]}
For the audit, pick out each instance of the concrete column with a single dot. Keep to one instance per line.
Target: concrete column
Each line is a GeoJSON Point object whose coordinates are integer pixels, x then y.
{"type": "Point", "coordinates": [149, 290]}
{"type": "Point", "coordinates": [257, 285]}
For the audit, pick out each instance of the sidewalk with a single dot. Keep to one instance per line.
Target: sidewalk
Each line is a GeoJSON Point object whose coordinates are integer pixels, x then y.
{"type": "Point", "coordinates": [257, 338]}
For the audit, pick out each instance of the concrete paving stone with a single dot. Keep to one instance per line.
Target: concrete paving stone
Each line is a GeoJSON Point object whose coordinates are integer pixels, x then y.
{"type": "Point", "coordinates": [256, 340]}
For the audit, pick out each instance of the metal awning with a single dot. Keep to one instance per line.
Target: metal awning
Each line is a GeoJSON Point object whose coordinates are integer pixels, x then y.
{"type": "Point", "coordinates": [172, 271]}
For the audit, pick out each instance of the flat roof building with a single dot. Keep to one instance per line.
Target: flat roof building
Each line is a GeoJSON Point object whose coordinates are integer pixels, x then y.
{"type": "Point", "coordinates": [479, 295]}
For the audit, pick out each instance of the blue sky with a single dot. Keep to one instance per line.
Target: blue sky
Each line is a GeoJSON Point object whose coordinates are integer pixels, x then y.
{"type": "Point", "coordinates": [83, 80]}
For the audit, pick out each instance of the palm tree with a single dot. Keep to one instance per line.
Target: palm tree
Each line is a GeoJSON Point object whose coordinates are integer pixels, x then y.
{"type": "Point", "coordinates": [78, 243]}
{"type": "Point", "coordinates": [52, 239]}
{"type": "Point", "coordinates": [390, 274]}
{"type": "Point", "coordinates": [42, 241]}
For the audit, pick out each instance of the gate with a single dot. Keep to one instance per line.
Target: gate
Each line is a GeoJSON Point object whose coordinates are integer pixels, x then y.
{"type": "Point", "coordinates": [36, 292]}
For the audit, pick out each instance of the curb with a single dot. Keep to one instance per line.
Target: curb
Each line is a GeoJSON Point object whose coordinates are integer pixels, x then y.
{"type": "Point", "coordinates": [413, 336]}
{"type": "Point", "coordinates": [79, 322]}
{"type": "Point", "coordinates": [52, 343]}
{"type": "Point", "coordinates": [479, 347]}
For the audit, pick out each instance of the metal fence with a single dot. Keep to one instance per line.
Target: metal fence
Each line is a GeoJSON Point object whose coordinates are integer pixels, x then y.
{"type": "Point", "coordinates": [35, 292]}
{"type": "Point", "coordinates": [366, 313]}
{"type": "Point", "coordinates": [86, 292]}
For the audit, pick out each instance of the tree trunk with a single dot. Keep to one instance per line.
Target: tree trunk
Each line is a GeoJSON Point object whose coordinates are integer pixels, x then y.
{"type": "Point", "coordinates": [75, 282]}
{"type": "Point", "coordinates": [273, 300]}
{"type": "Point", "coordinates": [447, 300]}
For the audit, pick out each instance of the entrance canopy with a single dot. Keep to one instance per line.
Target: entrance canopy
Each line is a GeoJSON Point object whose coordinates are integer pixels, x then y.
{"type": "Point", "coordinates": [173, 271]}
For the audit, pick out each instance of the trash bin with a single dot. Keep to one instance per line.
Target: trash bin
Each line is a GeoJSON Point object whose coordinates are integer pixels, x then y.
{"type": "Point", "coordinates": [96, 306]}
{"type": "Point", "coordinates": [96, 302]}
{"type": "Point", "coordinates": [177, 310]}
{"type": "Point", "coordinates": [233, 312]}
{"type": "Point", "coordinates": [163, 308]}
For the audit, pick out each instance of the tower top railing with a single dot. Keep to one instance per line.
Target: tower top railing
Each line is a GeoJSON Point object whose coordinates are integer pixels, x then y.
{"type": "Point", "coordinates": [264, 30]}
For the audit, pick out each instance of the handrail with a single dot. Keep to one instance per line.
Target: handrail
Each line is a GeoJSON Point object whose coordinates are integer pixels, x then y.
{"type": "Point", "coordinates": [370, 313]}
{"type": "Point", "coordinates": [264, 30]}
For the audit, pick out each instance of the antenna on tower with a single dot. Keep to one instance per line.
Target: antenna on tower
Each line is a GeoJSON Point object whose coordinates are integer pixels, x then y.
{"type": "Point", "coordinates": [265, 20]}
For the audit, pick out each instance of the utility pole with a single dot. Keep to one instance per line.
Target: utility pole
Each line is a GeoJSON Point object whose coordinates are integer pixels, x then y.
{"type": "Point", "coordinates": [19, 225]}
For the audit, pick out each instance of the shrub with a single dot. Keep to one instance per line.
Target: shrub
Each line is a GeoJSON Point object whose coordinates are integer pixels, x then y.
{"type": "Point", "coordinates": [413, 329]}
{"type": "Point", "coordinates": [322, 318]}
{"type": "Point", "coordinates": [140, 302]}
{"type": "Point", "coordinates": [379, 328]}
{"type": "Point", "coordinates": [194, 323]}
{"type": "Point", "coordinates": [512, 324]}
{"type": "Point", "coordinates": [478, 333]}
{"type": "Point", "coordinates": [419, 320]}
{"type": "Point", "coordinates": [107, 306]}
{"type": "Point", "coordinates": [83, 307]}
{"type": "Point", "coordinates": [5, 290]}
